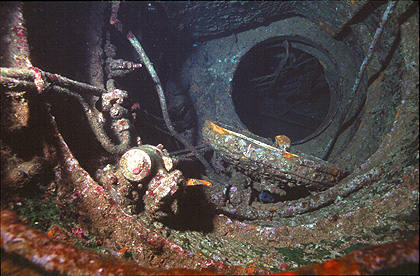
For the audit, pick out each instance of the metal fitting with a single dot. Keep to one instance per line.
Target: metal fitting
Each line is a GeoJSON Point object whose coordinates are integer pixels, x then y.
{"type": "Point", "coordinates": [138, 163]}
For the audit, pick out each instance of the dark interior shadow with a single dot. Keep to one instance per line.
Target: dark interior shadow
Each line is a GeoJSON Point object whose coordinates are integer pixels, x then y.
{"type": "Point", "coordinates": [410, 11]}
{"type": "Point", "coordinates": [195, 213]}
{"type": "Point", "coordinates": [360, 16]}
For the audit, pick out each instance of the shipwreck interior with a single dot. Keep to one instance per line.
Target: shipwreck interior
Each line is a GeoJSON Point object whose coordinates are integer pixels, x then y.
{"type": "Point", "coordinates": [197, 137]}
{"type": "Point", "coordinates": [270, 80]}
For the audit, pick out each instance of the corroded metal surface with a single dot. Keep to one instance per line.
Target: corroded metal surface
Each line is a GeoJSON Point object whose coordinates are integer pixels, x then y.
{"type": "Point", "coordinates": [207, 19]}
{"type": "Point", "coordinates": [160, 200]}
{"type": "Point", "coordinates": [59, 257]}
{"type": "Point", "coordinates": [367, 261]}
{"type": "Point", "coordinates": [257, 158]}
{"type": "Point", "coordinates": [135, 164]}
{"type": "Point", "coordinates": [139, 238]}
{"type": "Point", "coordinates": [152, 167]}
{"type": "Point", "coordinates": [375, 205]}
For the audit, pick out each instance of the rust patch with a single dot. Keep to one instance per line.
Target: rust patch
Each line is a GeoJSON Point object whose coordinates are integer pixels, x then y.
{"type": "Point", "coordinates": [334, 171]}
{"type": "Point", "coordinates": [196, 182]}
{"type": "Point", "coordinates": [215, 128]}
{"type": "Point", "coordinates": [282, 139]}
{"type": "Point", "coordinates": [288, 155]}
{"type": "Point", "coordinates": [398, 113]}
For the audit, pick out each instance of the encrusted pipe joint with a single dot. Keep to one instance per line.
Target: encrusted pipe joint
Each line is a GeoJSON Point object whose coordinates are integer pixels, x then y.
{"type": "Point", "coordinates": [152, 166]}
{"type": "Point", "coordinates": [282, 142]}
{"type": "Point", "coordinates": [135, 164]}
{"type": "Point", "coordinates": [139, 162]}
{"type": "Point", "coordinates": [117, 111]}
{"type": "Point", "coordinates": [116, 96]}
{"type": "Point", "coordinates": [121, 125]}
{"type": "Point", "coordinates": [161, 200]}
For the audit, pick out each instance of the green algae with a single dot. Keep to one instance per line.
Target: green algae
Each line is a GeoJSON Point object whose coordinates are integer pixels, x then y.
{"type": "Point", "coordinates": [40, 214]}
{"type": "Point", "coordinates": [336, 244]}
{"type": "Point", "coordinates": [353, 247]}
{"type": "Point", "coordinates": [292, 254]}
{"type": "Point", "coordinates": [38, 207]}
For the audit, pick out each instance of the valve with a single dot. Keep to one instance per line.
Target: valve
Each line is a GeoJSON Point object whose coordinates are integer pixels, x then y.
{"type": "Point", "coordinates": [137, 163]}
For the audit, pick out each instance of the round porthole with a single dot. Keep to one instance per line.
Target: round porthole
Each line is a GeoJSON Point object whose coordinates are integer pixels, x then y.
{"type": "Point", "coordinates": [286, 85]}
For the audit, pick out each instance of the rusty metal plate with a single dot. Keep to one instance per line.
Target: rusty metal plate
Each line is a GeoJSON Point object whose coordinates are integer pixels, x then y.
{"type": "Point", "coordinates": [268, 162]}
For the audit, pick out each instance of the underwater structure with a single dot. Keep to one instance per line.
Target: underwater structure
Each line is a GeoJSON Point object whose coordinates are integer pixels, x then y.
{"type": "Point", "coordinates": [209, 137]}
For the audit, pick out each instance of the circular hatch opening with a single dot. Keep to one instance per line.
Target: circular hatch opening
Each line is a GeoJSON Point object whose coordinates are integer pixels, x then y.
{"type": "Point", "coordinates": [281, 87]}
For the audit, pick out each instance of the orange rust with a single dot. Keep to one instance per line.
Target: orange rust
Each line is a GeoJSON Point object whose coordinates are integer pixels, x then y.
{"type": "Point", "coordinates": [217, 129]}
{"type": "Point", "coordinates": [362, 261]}
{"type": "Point", "coordinates": [197, 182]}
{"type": "Point", "coordinates": [405, 176]}
{"type": "Point", "coordinates": [34, 243]}
{"type": "Point", "coordinates": [334, 171]}
{"type": "Point", "coordinates": [252, 226]}
{"type": "Point", "coordinates": [332, 267]}
{"type": "Point", "coordinates": [241, 268]}
{"type": "Point", "coordinates": [50, 233]}
{"type": "Point", "coordinates": [354, 268]}
{"type": "Point", "coordinates": [283, 139]}
{"type": "Point", "coordinates": [398, 113]}
{"type": "Point", "coordinates": [123, 250]}
{"type": "Point", "coordinates": [207, 183]}
{"type": "Point", "coordinates": [112, 22]}
{"type": "Point", "coordinates": [288, 155]}
{"type": "Point", "coordinates": [336, 267]}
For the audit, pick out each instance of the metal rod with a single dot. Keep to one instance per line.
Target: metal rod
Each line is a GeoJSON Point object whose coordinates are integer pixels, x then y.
{"type": "Point", "coordinates": [146, 61]}
{"type": "Point", "coordinates": [29, 75]}
{"type": "Point", "coordinates": [363, 66]}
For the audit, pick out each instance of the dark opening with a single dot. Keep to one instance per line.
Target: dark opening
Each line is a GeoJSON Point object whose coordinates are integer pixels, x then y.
{"type": "Point", "coordinates": [279, 87]}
